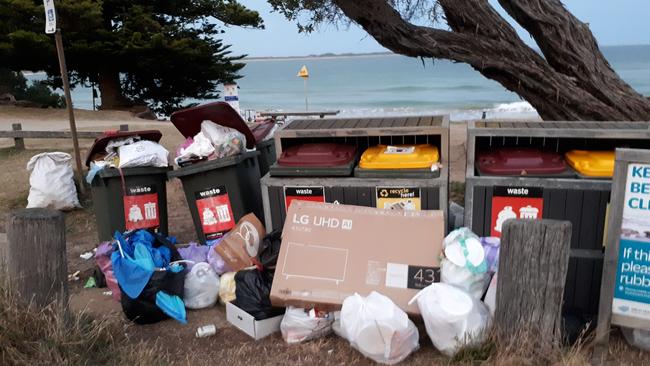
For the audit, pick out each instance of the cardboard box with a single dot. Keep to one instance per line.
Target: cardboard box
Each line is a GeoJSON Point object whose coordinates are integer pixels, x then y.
{"type": "Point", "coordinates": [330, 251]}
{"type": "Point", "coordinates": [241, 243]}
{"type": "Point", "coordinates": [257, 329]}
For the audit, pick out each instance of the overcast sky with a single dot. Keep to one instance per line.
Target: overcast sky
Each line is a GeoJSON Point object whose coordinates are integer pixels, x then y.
{"type": "Point", "coordinates": [614, 22]}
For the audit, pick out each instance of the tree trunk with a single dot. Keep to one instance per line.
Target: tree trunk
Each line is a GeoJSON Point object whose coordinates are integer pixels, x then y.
{"type": "Point", "coordinates": [111, 91]}
{"type": "Point", "coordinates": [572, 82]}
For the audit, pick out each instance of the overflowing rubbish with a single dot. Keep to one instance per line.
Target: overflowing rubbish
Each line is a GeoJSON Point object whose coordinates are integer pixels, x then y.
{"type": "Point", "coordinates": [227, 286]}
{"type": "Point", "coordinates": [194, 253]}
{"type": "Point", "coordinates": [90, 283]}
{"type": "Point", "coordinates": [143, 153]}
{"type": "Point", "coordinates": [74, 276]}
{"type": "Point", "coordinates": [377, 328]}
{"type": "Point", "coordinates": [201, 286]}
{"type": "Point", "coordinates": [206, 331]}
{"type": "Point", "coordinates": [215, 260]}
{"type": "Point", "coordinates": [452, 317]}
{"type": "Point", "coordinates": [150, 277]}
{"type": "Point", "coordinates": [105, 265]}
{"type": "Point", "coordinates": [252, 289]}
{"type": "Point", "coordinates": [241, 244]}
{"type": "Point", "coordinates": [301, 325]}
{"type": "Point", "coordinates": [52, 182]}
{"type": "Point", "coordinates": [464, 264]}
{"type": "Point", "coordinates": [226, 141]}
{"type": "Point", "coordinates": [637, 337]}
{"type": "Point", "coordinates": [86, 255]}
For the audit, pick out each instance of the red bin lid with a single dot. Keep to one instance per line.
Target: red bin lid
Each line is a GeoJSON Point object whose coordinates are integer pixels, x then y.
{"type": "Point", "coordinates": [188, 121]}
{"type": "Point", "coordinates": [317, 155]}
{"type": "Point", "coordinates": [261, 129]}
{"type": "Point", "coordinates": [519, 161]}
{"type": "Point", "coordinates": [102, 141]}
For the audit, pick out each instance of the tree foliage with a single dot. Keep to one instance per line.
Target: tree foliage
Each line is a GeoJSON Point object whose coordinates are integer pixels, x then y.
{"type": "Point", "coordinates": [155, 52]}
{"type": "Point", "coordinates": [569, 80]}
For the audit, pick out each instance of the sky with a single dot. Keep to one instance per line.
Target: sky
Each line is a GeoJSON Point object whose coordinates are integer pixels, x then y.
{"type": "Point", "coordinates": [614, 22]}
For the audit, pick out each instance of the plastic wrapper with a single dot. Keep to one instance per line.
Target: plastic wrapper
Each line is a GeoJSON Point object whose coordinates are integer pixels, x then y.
{"type": "Point", "coordinates": [194, 253]}
{"type": "Point", "coordinates": [199, 147]}
{"type": "Point", "coordinates": [201, 287]}
{"type": "Point", "coordinates": [464, 264]}
{"type": "Point", "coordinates": [252, 290]}
{"type": "Point", "coordinates": [227, 286]}
{"type": "Point", "coordinates": [52, 182]}
{"type": "Point", "coordinates": [103, 261]}
{"type": "Point", "coordinates": [215, 260]}
{"type": "Point", "coordinates": [452, 317]}
{"type": "Point", "coordinates": [226, 141]}
{"type": "Point", "coordinates": [301, 325]}
{"type": "Point", "coordinates": [143, 153]}
{"type": "Point", "coordinates": [491, 246]}
{"type": "Point", "coordinates": [377, 328]}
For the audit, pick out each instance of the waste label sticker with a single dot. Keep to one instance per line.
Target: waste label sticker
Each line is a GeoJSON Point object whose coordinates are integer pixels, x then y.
{"type": "Point", "coordinates": [515, 203]}
{"type": "Point", "coordinates": [215, 211]}
{"type": "Point", "coordinates": [141, 208]}
{"type": "Point", "coordinates": [311, 194]}
{"type": "Point", "coordinates": [632, 290]}
{"type": "Point", "coordinates": [399, 198]}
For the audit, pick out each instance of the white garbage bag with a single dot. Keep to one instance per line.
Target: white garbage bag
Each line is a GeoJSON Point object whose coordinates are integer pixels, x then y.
{"type": "Point", "coordinates": [143, 153]}
{"type": "Point", "coordinates": [200, 147]}
{"type": "Point", "coordinates": [377, 328]}
{"type": "Point", "coordinates": [52, 182]}
{"type": "Point", "coordinates": [452, 317]}
{"type": "Point", "coordinates": [301, 325]}
{"type": "Point", "coordinates": [226, 141]}
{"type": "Point", "coordinates": [637, 337]}
{"type": "Point", "coordinates": [201, 287]}
{"type": "Point", "coordinates": [464, 263]}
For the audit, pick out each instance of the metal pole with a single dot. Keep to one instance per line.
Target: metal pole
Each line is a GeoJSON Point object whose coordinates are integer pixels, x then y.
{"type": "Point", "coordinates": [306, 102]}
{"type": "Point", "coordinates": [68, 104]}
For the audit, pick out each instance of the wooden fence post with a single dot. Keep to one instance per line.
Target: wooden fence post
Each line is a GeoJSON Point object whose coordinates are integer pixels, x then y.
{"type": "Point", "coordinates": [19, 142]}
{"type": "Point", "coordinates": [533, 263]}
{"type": "Point", "coordinates": [37, 266]}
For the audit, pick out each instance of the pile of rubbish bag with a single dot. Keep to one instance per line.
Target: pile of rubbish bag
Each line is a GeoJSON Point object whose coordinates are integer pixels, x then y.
{"type": "Point", "coordinates": [212, 142]}
{"type": "Point", "coordinates": [52, 182]}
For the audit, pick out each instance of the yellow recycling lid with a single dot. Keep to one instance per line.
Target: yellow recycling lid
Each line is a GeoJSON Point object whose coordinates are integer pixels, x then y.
{"type": "Point", "coordinates": [399, 157]}
{"type": "Point", "coordinates": [597, 164]}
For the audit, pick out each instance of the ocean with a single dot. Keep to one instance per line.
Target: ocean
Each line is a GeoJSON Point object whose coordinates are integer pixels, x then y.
{"type": "Point", "coordinates": [373, 85]}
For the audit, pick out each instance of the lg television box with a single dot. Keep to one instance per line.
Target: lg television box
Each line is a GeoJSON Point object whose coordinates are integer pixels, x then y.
{"type": "Point", "coordinates": [330, 251]}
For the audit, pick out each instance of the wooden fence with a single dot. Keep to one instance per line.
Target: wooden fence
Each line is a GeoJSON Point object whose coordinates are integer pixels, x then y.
{"type": "Point", "coordinates": [19, 135]}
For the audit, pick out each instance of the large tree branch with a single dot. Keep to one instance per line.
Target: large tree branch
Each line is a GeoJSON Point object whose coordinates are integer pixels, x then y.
{"type": "Point", "coordinates": [570, 48]}
{"type": "Point", "coordinates": [493, 53]}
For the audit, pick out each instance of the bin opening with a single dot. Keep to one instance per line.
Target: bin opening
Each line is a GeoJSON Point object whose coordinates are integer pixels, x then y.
{"type": "Point", "coordinates": [99, 146]}
{"type": "Point", "coordinates": [318, 155]}
{"type": "Point", "coordinates": [188, 121]}
{"type": "Point", "coordinates": [397, 157]}
{"type": "Point", "coordinates": [520, 161]}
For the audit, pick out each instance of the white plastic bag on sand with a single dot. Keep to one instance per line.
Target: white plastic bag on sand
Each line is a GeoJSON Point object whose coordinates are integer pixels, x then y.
{"type": "Point", "coordinates": [226, 141]}
{"type": "Point", "coordinates": [143, 153]}
{"type": "Point", "coordinates": [200, 147]}
{"type": "Point", "coordinates": [227, 287]}
{"type": "Point", "coordinates": [464, 262]}
{"type": "Point", "coordinates": [452, 317]}
{"type": "Point", "coordinates": [377, 328]}
{"type": "Point", "coordinates": [201, 287]}
{"type": "Point", "coordinates": [637, 337]}
{"type": "Point", "coordinates": [300, 325]}
{"type": "Point", "coordinates": [52, 182]}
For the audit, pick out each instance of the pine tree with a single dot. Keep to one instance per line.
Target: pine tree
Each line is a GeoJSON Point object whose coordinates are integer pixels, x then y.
{"type": "Point", "coordinates": [154, 52]}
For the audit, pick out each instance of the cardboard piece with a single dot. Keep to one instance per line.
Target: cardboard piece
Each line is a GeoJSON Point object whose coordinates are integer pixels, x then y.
{"type": "Point", "coordinates": [257, 329]}
{"type": "Point", "coordinates": [241, 243]}
{"type": "Point", "coordinates": [330, 251]}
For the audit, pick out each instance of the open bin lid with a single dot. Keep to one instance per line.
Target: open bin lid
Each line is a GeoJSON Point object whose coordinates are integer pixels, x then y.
{"type": "Point", "coordinates": [188, 121]}
{"type": "Point", "coordinates": [317, 155]}
{"type": "Point", "coordinates": [261, 129]}
{"type": "Point", "coordinates": [102, 141]}
{"type": "Point", "coordinates": [597, 164]}
{"type": "Point", "coordinates": [421, 156]}
{"type": "Point", "coordinates": [520, 161]}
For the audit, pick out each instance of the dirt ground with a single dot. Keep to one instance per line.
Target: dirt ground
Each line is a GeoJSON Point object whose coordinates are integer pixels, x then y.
{"type": "Point", "coordinates": [229, 346]}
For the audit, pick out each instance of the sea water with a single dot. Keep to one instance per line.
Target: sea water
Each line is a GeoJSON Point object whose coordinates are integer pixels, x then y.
{"type": "Point", "coordinates": [375, 85]}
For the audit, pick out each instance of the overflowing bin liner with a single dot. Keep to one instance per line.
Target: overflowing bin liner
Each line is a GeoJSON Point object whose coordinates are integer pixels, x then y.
{"type": "Point", "coordinates": [188, 122]}
{"type": "Point", "coordinates": [219, 192]}
{"type": "Point", "coordinates": [591, 164]}
{"type": "Point", "coordinates": [399, 161]}
{"type": "Point", "coordinates": [316, 159]}
{"type": "Point", "coordinates": [129, 198]}
{"type": "Point", "coordinates": [522, 162]}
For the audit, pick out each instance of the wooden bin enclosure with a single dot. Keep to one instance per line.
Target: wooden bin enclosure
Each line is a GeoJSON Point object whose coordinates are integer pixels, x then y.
{"type": "Point", "coordinates": [582, 201]}
{"type": "Point", "coordinates": [362, 132]}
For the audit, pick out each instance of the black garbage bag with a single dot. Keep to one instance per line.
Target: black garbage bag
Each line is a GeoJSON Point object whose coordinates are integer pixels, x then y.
{"type": "Point", "coordinates": [143, 309]}
{"type": "Point", "coordinates": [270, 250]}
{"type": "Point", "coordinates": [252, 290]}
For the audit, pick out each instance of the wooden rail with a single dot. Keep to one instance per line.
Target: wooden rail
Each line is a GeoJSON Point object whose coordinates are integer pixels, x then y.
{"type": "Point", "coordinates": [19, 135]}
{"type": "Point", "coordinates": [321, 114]}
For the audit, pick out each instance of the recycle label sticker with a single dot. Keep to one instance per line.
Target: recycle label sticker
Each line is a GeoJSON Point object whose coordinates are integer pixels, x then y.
{"type": "Point", "coordinates": [215, 211]}
{"type": "Point", "coordinates": [141, 208]}
{"type": "Point", "coordinates": [399, 198]}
